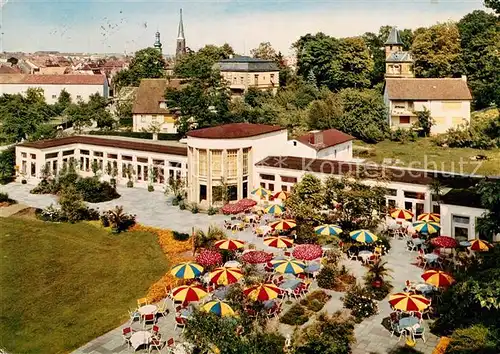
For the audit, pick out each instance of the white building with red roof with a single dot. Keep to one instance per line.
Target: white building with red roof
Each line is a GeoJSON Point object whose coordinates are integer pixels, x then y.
{"type": "Point", "coordinates": [80, 87]}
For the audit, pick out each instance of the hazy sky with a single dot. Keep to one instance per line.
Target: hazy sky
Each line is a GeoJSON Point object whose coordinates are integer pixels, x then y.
{"type": "Point", "coordinates": [118, 26]}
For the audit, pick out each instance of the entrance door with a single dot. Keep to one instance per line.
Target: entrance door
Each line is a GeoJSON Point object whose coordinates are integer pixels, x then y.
{"type": "Point", "coordinates": [419, 209]}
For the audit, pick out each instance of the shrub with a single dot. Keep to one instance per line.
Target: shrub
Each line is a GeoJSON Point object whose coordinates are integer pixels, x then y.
{"type": "Point", "coordinates": [465, 136]}
{"type": "Point", "coordinates": [4, 198]}
{"type": "Point", "coordinates": [7, 165]}
{"type": "Point", "coordinates": [180, 236]}
{"type": "Point", "coordinates": [359, 301]}
{"type": "Point", "coordinates": [151, 188]}
{"type": "Point", "coordinates": [182, 205]}
{"type": "Point", "coordinates": [295, 316]}
{"type": "Point", "coordinates": [130, 184]}
{"type": "Point", "coordinates": [50, 213]}
{"type": "Point", "coordinates": [194, 208]}
{"type": "Point", "coordinates": [379, 292]}
{"type": "Point", "coordinates": [315, 300]}
{"type": "Point", "coordinates": [326, 277]}
{"type": "Point", "coordinates": [94, 191]}
{"type": "Point", "coordinates": [212, 210]}
{"type": "Point", "coordinates": [104, 220]}
{"type": "Point", "coordinates": [72, 206]}
{"type": "Point", "coordinates": [475, 339]}
{"type": "Point", "coordinates": [119, 220]}
{"type": "Point", "coordinates": [175, 201]}
{"type": "Point", "coordinates": [403, 135]}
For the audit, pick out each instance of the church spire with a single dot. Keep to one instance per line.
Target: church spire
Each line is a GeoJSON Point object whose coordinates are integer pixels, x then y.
{"type": "Point", "coordinates": [158, 44]}
{"type": "Point", "coordinates": [181, 40]}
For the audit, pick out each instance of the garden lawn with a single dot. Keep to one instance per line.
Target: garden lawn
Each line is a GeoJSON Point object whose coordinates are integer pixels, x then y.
{"type": "Point", "coordinates": [424, 154]}
{"type": "Point", "coordinates": [65, 284]}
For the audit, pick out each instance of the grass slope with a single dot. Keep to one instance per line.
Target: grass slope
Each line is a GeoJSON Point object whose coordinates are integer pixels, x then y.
{"type": "Point", "coordinates": [424, 154]}
{"type": "Point", "coordinates": [63, 285]}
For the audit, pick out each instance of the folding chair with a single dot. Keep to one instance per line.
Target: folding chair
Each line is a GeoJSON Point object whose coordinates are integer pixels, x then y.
{"type": "Point", "coordinates": [134, 315]}
{"type": "Point", "coordinates": [126, 334]}
{"type": "Point", "coordinates": [180, 323]}
{"type": "Point", "coordinates": [163, 309]}
{"type": "Point", "coordinates": [149, 318]}
{"type": "Point", "coordinates": [420, 332]}
{"type": "Point", "coordinates": [155, 332]}
{"type": "Point", "coordinates": [156, 344]}
{"type": "Point", "coordinates": [142, 301]}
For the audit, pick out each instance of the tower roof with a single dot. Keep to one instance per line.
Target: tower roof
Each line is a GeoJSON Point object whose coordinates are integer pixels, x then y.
{"type": "Point", "coordinates": [394, 38]}
{"type": "Point", "coordinates": [180, 32]}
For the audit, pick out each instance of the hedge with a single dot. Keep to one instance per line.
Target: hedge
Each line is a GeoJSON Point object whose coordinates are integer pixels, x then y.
{"type": "Point", "coordinates": [138, 135]}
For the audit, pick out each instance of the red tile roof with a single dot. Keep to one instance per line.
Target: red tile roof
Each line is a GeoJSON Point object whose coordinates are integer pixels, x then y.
{"type": "Point", "coordinates": [234, 131]}
{"type": "Point", "coordinates": [329, 138]}
{"type": "Point", "coordinates": [427, 89]}
{"type": "Point", "coordinates": [53, 79]}
{"type": "Point", "coordinates": [117, 143]}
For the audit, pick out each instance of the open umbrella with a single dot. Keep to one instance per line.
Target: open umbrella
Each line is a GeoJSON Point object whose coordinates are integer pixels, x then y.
{"type": "Point", "coordinates": [307, 252]}
{"type": "Point", "coordinates": [278, 242]}
{"type": "Point", "coordinates": [188, 293]}
{"type": "Point", "coordinates": [480, 245]}
{"type": "Point", "coordinates": [285, 224]}
{"type": "Point", "coordinates": [281, 195]}
{"type": "Point", "coordinates": [438, 278]}
{"type": "Point", "coordinates": [409, 302]}
{"type": "Point", "coordinates": [261, 192]}
{"type": "Point", "coordinates": [225, 275]}
{"type": "Point", "coordinates": [220, 308]}
{"type": "Point", "coordinates": [399, 213]}
{"type": "Point", "coordinates": [275, 209]}
{"type": "Point", "coordinates": [328, 230]}
{"type": "Point", "coordinates": [288, 266]}
{"type": "Point", "coordinates": [444, 242]}
{"type": "Point", "coordinates": [187, 270]}
{"type": "Point", "coordinates": [229, 244]}
{"type": "Point", "coordinates": [262, 292]}
{"type": "Point", "coordinates": [429, 217]}
{"type": "Point", "coordinates": [426, 227]}
{"type": "Point", "coordinates": [363, 236]}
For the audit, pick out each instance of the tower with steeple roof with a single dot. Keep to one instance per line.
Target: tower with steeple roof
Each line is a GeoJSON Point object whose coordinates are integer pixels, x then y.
{"type": "Point", "coordinates": [158, 44]}
{"type": "Point", "coordinates": [181, 40]}
{"type": "Point", "coordinates": [398, 63]}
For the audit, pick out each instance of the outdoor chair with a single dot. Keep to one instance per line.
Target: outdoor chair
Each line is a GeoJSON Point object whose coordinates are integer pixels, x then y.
{"type": "Point", "coordinates": [163, 309]}
{"type": "Point", "coordinates": [395, 330]}
{"type": "Point", "coordinates": [155, 332]}
{"type": "Point", "coordinates": [411, 246]}
{"type": "Point", "coordinates": [418, 315]}
{"type": "Point", "coordinates": [180, 323]}
{"type": "Point", "coordinates": [126, 334]}
{"type": "Point", "coordinates": [156, 344]}
{"type": "Point", "coordinates": [419, 332]}
{"type": "Point", "coordinates": [352, 255]}
{"type": "Point", "coordinates": [134, 315]}
{"type": "Point", "coordinates": [148, 319]}
{"type": "Point", "coordinates": [142, 301]}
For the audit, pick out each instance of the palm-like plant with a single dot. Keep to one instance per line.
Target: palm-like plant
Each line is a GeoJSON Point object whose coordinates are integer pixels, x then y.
{"type": "Point", "coordinates": [206, 239]}
{"type": "Point", "coordinates": [378, 271]}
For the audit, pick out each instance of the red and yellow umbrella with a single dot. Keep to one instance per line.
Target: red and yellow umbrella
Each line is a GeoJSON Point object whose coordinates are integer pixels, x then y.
{"type": "Point", "coordinates": [429, 217]}
{"type": "Point", "coordinates": [399, 213]}
{"type": "Point", "coordinates": [409, 302]}
{"type": "Point", "coordinates": [188, 293]}
{"type": "Point", "coordinates": [281, 195]}
{"type": "Point", "coordinates": [278, 242]}
{"type": "Point", "coordinates": [229, 244]}
{"type": "Point", "coordinates": [438, 278]}
{"type": "Point", "coordinates": [480, 245]}
{"type": "Point", "coordinates": [285, 224]}
{"type": "Point", "coordinates": [225, 275]}
{"type": "Point", "coordinates": [262, 292]}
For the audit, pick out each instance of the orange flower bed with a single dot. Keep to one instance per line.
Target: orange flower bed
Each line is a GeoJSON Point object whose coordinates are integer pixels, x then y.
{"type": "Point", "coordinates": [442, 345]}
{"type": "Point", "coordinates": [175, 251]}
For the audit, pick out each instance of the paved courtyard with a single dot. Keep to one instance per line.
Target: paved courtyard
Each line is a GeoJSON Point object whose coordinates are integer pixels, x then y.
{"type": "Point", "coordinates": [153, 209]}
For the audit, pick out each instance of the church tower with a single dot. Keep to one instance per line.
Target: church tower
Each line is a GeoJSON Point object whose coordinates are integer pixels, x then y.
{"type": "Point", "coordinates": [398, 63]}
{"type": "Point", "coordinates": [157, 44]}
{"type": "Point", "coordinates": [181, 40]}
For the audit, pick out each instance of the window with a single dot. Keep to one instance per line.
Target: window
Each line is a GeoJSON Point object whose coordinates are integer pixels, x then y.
{"type": "Point", "coordinates": [404, 120]}
{"type": "Point", "coordinates": [203, 192]}
{"type": "Point", "coordinates": [33, 156]}
{"type": "Point", "coordinates": [271, 187]}
{"type": "Point", "coordinates": [288, 179]}
{"type": "Point", "coordinates": [241, 80]}
{"type": "Point", "coordinates": [52, 155]}
{"type": "Point", "coordinates": [142, 159]}
{"type": "Point", "coordinates": [232, 192]}
{"type": "Point", "coordinates": [256, 79]}
{"type": "Point", "coordinates": [461, 219]}
{"type": "Point", "coordinates": [98, 154]}
{"type": "Point", "coordinates": [414, 195]}
{"type": "Point", "coordinates": [391, 203]}
{"type": "Point", "coordinates": [451, 106]}
{"type": "Point", "coordinates": [203, 163]}
{"type": "Point", "coordinates": [158, 162]}
{"type": "Point", "coordinates": [392, 192]}
{"type": "Point", "coordinates": [216, 163]}
{"type": "Point", "coordinates": [175, 164]}
{"type": "Point", "coordinates": [33, 169]}
{"type": "Point", "coordinates": [23, 154]}
{"type": "Point", "coordinates": [68, 152]}
{"type": "Point", "coordinates": [294, 143]}
{"type": "Point", "coordinates": [126, 158]}
{"type": "Point", "coordinates": [232, 163]}
{"type": "Point", "coordinates": [272, 77]}
{"type": "Point", "coordinates": [284, 188]}
{"type": "Point", "coordinates": [112, 156]}
{"type": "Point", "coordinates": [84, 152]}
{"type": "Point", "coordinates": [267, 177]}
{"type": "Point", "coordinates": [54, 96]}
{"type": "Point", "coordinates": [24, 166]}
{"type": "Point", "coordinates": [245, 161]}
{"type": "Point", "coordinates": [79, 97]}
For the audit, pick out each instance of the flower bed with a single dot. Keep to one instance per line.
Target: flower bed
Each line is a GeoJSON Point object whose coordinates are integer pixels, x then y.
{"type": "Point", "coordinates": [307, 252]}
{"type": "Point", "coordinates": [239, 207]}
{"type": "Point", "coordinates": [209, 258]}
{"type": "Point", "coordinates": [256, 257]}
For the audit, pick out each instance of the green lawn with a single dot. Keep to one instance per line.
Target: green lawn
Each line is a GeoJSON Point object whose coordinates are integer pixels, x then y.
{"type": "Point", "coordinates": [424, 154]}
{"type": "Point", "coordinates": [62, 285]}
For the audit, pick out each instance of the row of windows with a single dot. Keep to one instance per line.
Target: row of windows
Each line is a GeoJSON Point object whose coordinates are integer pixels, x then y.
{"type": "Point", "coordinates": [216, 168]}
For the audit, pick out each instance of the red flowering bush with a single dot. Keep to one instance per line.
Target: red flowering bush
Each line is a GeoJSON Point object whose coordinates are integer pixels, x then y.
{"type": "Point", "coordinates": [209, 258]}
{"type": "Point", "coordinates": [307, 252]}
{"type": "Point", "coordinates": [239, 207]}
{"type": "Point", "coordinates": [255, 257]}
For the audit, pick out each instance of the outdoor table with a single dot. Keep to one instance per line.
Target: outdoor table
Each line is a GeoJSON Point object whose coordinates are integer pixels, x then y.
{"type": "Point", "coordinates": [464, 243]}
{"type": "Point", "coordinates": [417, 241]}
{"type": "Point", "coordinates": [291, 284]}
{"type": "Point", "coordinates": [232, 264]}
{"type": "Point", "coordinates": [424, 288]}
{"type": "Point", "coordinates": [147, 309]}
{"type": "Point", "coordinates": [313, 267]}
{"type": "Point", "coordinates": [221, 293]}
{"type": "Point", "coordinates": [268, 304]}
{"type": "Point", "coordinates": [187, 312]}
{"type": "Point", "coordinates": [409, 323]}
{"type": "Point", "coordinates": [140, 338]}
{"type": "Point", "coordinates": [431, 257]}
{"type": "Point", "coordinates": [365, 255]}
{"type": "Point", "coordinates": [326, 248]}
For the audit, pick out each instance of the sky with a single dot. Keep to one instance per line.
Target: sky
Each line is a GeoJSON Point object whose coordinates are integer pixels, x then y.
{"type": "Point", "coordinates": [128, 25]}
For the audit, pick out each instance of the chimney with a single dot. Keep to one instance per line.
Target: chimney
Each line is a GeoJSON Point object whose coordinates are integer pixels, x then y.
{"type": "Point", "coordinates": [316, 137]}
{"type": "Point", "coordinates": [464, 78]}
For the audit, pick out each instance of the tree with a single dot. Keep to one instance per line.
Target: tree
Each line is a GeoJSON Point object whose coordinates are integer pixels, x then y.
{"type": "Point", "coordinates": [311, 79]}
{"type": "Point", "coordinates": [326, 113]}
{"type": "Point", "coordinates": [78, 116]}
{"type": "Point", "coordinates": [424, 121]}
{"type": "Point", "coordinates": [264, 51]}
{"type": "Point", "coordinates": [200, 64]}
{"type": "Point", "coordinates": [480, 42]}
{"type": "Point", "coordinates": [436, 51]}
{"type": "Point", "coordinates": [123, 112]}
{"type": "Point", "coordinates": [72, 204]}
{"type": "Point", "coordinates": [489, 224]}
{"type": "Point", "coordinates": [7, 165]}
{"type": "Point", "coordinates": [63, 101]}
{"type": "Point", "coordinates": [147, 63]}
{"type": "Point", "coordinates": [493, 4]}
{"type": "Point", "coordinates": [255, 97]}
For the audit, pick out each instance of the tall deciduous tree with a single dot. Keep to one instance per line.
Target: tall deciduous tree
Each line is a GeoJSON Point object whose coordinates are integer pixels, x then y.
{"type": "Point", "coordinates": [147, 63]}
{"type": "Point", "coordinates": [493, 4]}
{"type": "Point", "coordinates": [489, 223]}
{"type": "Point", "coordinates": [326, 113]}
{"type": "Point", "coordinates": [437, 51]}
{"type": "Point", "coordinates": [200, 64]}
{"type": "Point", "coordinates": [264, 51]}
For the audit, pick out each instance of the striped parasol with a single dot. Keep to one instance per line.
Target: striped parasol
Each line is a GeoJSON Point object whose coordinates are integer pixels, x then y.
{"type": "Point", "coordinates": [281, 195]}
{"type": "Point", "coordinates": [262, 292]}
{"type": "Point", "coordinates": [261, 192]}
{"type": "Point", "coordinates": [288, 266]}
{"type": "Point", "coordinates": [225, 275]}
{"type": "Point", "coordinates": [220, 308]}
{"type": "Point", "coordinates": [278, 242]}
{"type": "Point", "coordinates": [399, 213]}
{"type": "Point", "coordinates": [429, 217]}
{"type": "Point", "coordinates": [438, 278]}
{"type": "Point", "coordinates": [363, 236]}
{"type": "Point", "coordinates": [187, 270]}
{"type": "Point", "coordinates": [426, 227]}
{"type": "Point", "coordinates": [229, 244]}
{"type": "Point", "coordinates": [328, 230]}
{"type": "Point", "coordinates": [285, 224]}
{"type": "Point", "coordinates": [275, 209]}
{"type": "Point", "coordinates": [409, 302]}
{"type": "Point", "coordinates": [188, 293]}
{"type": "Point", "coordinates": [480, 245]}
